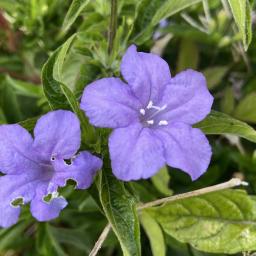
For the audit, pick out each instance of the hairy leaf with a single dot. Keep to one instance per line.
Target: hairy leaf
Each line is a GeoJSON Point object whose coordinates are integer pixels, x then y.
{"type": "Point", "coordinates": [219, 123]}
{"type": "Point", "coordinates": [151, 12]}
{"type": "Point", "coordinates": [242, 14]}
{"type": "Point", "coordinates": [120, 209]}
{"type": "Point", "coordinates": [74, 11]}
{"type": "Point", "coordinates": [59, 95]}
{"type": "Point", "coordinates": [220, 222]}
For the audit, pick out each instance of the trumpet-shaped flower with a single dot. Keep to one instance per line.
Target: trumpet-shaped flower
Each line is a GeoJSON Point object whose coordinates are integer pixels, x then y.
{"type": "Point", "coordinates": [35, 168]}
{"type": "Point", "coordinates": [152, 117]}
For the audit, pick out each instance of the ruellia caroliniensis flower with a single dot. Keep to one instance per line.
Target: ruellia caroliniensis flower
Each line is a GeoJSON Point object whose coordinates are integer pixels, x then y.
{"type": "Point", "coordinates": [152, 117]}
{"type": "Point", "coordinates": [34, 168]}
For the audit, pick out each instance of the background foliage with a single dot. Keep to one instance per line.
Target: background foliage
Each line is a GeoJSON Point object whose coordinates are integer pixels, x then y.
{"type": "Point", "coordinates": [51, 49]}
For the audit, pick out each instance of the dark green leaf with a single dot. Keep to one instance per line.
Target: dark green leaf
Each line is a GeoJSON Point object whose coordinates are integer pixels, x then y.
{"type": "Point", "coordinates": [120, 209]}
{"type": "Point", "coordinates": [219, 123]}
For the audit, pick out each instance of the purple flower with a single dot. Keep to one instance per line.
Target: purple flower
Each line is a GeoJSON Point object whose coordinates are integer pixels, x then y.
{"type": "Point", "coordinates": [35, 168]}
{"type": "Point", "coordinates": [152, 116]}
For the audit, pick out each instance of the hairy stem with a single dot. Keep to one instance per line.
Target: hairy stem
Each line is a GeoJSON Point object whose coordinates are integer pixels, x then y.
{"type": "Point", "coordinates": [100, 241]}
{"type": "Point", "coordinates": [229, 184]}
{"type": "Point", "coordinates": [112, 25]}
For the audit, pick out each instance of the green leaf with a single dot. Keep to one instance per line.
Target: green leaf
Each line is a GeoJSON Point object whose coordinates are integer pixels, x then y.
{"type": "Point", "coordinates": [46, 243]}
{"type": "Point", "coordinates": [170, 7]}
{"type": "Point", "coordinates": [241, 11]}
{"type": "Point", "coordinates": [25, 88]}
{"type": "Point", "coordinates": [59, 95]}
{"type": "Point", "coordinates": [220, 222]}
{"type": "Point", "coordinates": [214, 75]}
{"type": "Point", "coordinates": [219, 123]}
{"type": "Point", "coordinates": [228, 101]}
{"type": "Point", "coordinates": [120, 209]}
{"type": "Point", "coordinates": [246, 108]}
{"type": "Point", "coordinates": [151, 12]}
{"type": "Point", "coordinates": [10, 236]}
{"type": "Point", "coordinates": [154, 233]}
{"type": "Point", "coordinates": [188, 55]}
{"type": "Point", "coordinates": [74, 11]}
{"type": "Point", "coordinates": [161, 181]}
{"type": "Point", "coordinates": [29, 124]}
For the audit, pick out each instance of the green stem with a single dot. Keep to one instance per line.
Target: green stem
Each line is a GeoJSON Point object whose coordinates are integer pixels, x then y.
{"type": "Point", "coordinates": [112, 25]}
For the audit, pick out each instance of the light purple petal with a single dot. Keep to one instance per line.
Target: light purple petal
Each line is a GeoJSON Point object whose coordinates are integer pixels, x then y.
{"type": "Point", "coordinates": [9, 215]}
{"type": "Point", "coordinates": [146, 73]}
{"type": "Point", "coordinates": [13, 187]}
{"type": "Point", "coordinates": [187, 98]}
{"type": "Point", "coordinates": [45, 211]}
{"type": "Point", "coordinates": [82, 170]}
{"type": "Point", "coordinates": [109, 102]}
{"type": "Point", "coordinates": [57, 134]}
{"type": "Point", "coordinates": [16, 150]}
{"type": "Point", "coordinates": [186, 148]}
{"type": "Point", "coordinates": [135, 153]}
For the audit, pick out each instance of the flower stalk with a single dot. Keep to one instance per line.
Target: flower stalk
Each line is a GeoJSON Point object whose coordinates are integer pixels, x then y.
{"type": "Point", "coordinates": [112, 26]}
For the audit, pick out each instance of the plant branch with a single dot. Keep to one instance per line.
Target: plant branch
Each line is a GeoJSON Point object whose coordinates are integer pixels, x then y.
{"type": "Point", "coordinates": [229, 184]}
{"type": "Point", "coordinates": [112, 25]}
{"type": "Point", "coordinates": [100, 241]}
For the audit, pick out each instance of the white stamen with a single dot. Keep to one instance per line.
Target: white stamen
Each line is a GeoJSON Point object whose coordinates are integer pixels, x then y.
{"type": "Point", "coordinates": [150, 104]}
{"type": "Point", "coordinates": [150, 121]}
{"type": "Point", "coordinates": [163, 122]}
{"type": "Point", "coordinates": [142, 111]}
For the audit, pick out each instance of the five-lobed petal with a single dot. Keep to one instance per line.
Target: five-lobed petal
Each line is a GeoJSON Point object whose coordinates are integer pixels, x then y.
{"type": "Point", "coordinates": [36, 167]}
{"type": "Point", "coordinates": [152, 116]}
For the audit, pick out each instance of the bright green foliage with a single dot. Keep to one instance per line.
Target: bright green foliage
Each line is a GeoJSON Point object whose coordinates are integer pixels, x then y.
{"type": "Point", "coordinates": [221, 222]}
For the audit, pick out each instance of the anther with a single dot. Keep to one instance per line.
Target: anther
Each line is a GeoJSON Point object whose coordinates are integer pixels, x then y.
{"type": "Point", "coordinates": [142, 111]}
{"type": "Point", "coordinates": [150, 104]}
{"type": "Point", "coordinates": [163, 122]}
{"type": "Point", "coordinates": [150, 121]}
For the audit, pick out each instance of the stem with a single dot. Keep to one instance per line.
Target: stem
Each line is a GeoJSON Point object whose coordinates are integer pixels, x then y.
{"type": "Point", "coordinates": [112, 25]}
{"type": "Point", "coordinates": [100, 241]}
{"type": "Point", "coordinates": [229, 184]}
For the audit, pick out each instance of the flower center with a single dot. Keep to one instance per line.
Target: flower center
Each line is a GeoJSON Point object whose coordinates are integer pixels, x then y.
{"type": "Point", "coordinates": [151, 115]}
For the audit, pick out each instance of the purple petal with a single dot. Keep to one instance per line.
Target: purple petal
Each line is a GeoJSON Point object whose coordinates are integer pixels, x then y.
{"type": "Point", "coordinates": [13, 187]}
{"type": "Point", "coordinates": [82, 170]}
{"type": "Point", "coordinates": [186, 148]}
{"type": "Point", "coordinates": [57, 134]}
{"type": "Point", "coordinates": [146, 73]}
{"type": "Point", "coordinates": [109, 102]}
{"type": "Point", "coordinates": [45, 211]}
{"type": "Point", "coordinates": [135, 153]}
{"type": "Point", "coordinates": [187, 98]}
{"type": "Point", "coordinates": [15, 150]}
